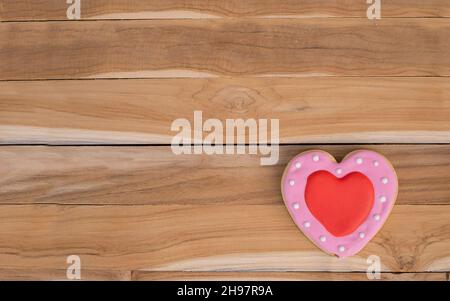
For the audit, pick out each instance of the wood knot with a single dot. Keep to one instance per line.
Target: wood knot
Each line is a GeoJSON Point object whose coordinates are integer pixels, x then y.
{"type": "Point", "coordinates": [237, 99]}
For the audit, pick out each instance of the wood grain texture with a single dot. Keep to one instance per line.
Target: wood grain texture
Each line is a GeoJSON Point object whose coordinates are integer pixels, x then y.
{"type": "Point", "coordinates": [155, 176]}
{"type": "Point", "coordinates": [142, 213]}
{"type": "Point", "coordinates": [310, 110]}
{"type": "Point", "coordinates": [88, 275]}
{"type": "Point", "coordinates": [43, 274]}
{"type": "Point", "coordinates": [281, 276]}
{"type": "Point", "coordinates": [234, 47]}
{"type": "Point", "coordinates": [208, 238]}
{"type": "Point", "coordinates": [60, 275]}
{"type": "Point", "coordinates": [11, 10]}
{"type": "Point", "coordinates": [108, 275]}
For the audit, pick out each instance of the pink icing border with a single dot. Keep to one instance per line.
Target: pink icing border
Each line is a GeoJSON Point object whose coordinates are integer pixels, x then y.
{"type": "Point", "coordinates": [352, 243]}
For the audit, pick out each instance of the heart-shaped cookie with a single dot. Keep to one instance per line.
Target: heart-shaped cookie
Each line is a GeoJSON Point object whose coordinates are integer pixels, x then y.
{"type": "Point", "coordinates": [339, 206]}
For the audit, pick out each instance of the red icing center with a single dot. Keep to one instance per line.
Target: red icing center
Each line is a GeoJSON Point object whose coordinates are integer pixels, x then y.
{"type": "Point", "coordinates": [341, 205]}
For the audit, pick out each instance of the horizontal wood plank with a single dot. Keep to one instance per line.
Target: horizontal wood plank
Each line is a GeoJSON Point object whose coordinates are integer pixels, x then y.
{"type": "Point", "coordinates": [236, 47]}
{"type": "Point", "coordinates": [208, 238]}
{"type": "Point", "coordinates": [88, 275]}
{"type": "Point", "coordinates": [281, 276]}
{"type": "Point", "coordinates": [154, 175]}
{"type": "Point", "coordinates": [43, 274]}
{"type": "Point", "coordinates": [13, 10]}
{"type": "Point", "coordinates": [310, 110]}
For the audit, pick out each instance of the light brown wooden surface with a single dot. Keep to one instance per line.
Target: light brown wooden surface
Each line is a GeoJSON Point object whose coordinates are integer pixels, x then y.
{"type": "Point", "coordinates": [311, 110]}
{"type": "Point", "coordinates": [26, 274]}
{"type": "Point", "coordinates": [131, 9]}
{"type": "Point", "coordinates": [154, 175]}
{"type": "Point", "coordinates": [282, 276]}
{"type": "Point", "coordinates": [234, 47]}
{"type": "Point", "coordinates": [43, 274]}
{"type": "Point", "coordinates": [208, 238]}
{"type": "Point", "coordinates": [132, 210]}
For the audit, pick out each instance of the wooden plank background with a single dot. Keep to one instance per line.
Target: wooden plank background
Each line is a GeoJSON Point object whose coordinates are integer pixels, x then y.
{"type": "Point", "coordinates": [310, 110]}
{"type": "Point", "coordinates": [85, 113]}
{"type": "Point", "coordinates": [236, 47]}
{"type": "Point", "coordinates": [282, 276]}
{"type": "Point", "coordinates": [15, 10]}
{"type": "Point", "coordinates": [153, 175]}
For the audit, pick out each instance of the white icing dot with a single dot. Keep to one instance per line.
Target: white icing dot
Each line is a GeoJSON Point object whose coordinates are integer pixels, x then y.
{"type": "Point", "coordinates": [307, 224]}
{"type": "Point", "coordinates": [323, 238]}
{"type": "Point", "coordinates": [316, 158]}
{"type": "Point", "coordinates": [339, 171]}
{"type": "Point", "coordinates": [377, 217]}
{"type": "Point", "coordinates": [376, 163]}
{"type": "Point", "coordinates": [362, 235]}
{"type": "Point", "coordinates": [298, 165]}
{"type": "Point", "coordinates": [296, 206]}
{"type": "Point", "coordinates": [384, 180]}
{"type": "Point", "coordinates": [383, 199]}
{"type": "Point", "coordinates": [341, 249]}
{"type": "Point", "coordinates": [359, 161]}
{"type": "Point", "coordinates": [291, 182]}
